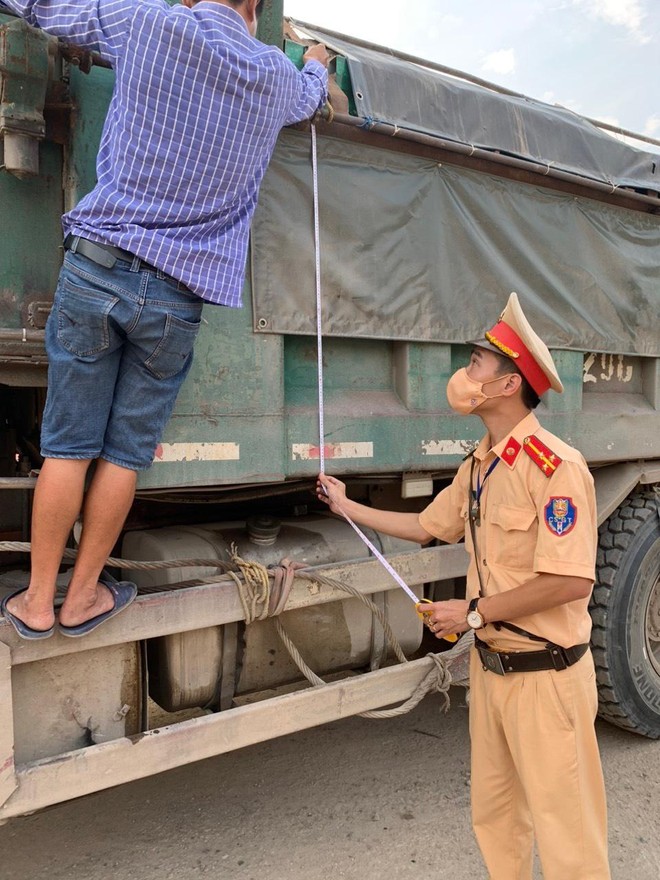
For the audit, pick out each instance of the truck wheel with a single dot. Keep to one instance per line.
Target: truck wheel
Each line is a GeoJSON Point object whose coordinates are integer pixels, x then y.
{"type": "Point", "coordinates": [625, 610]}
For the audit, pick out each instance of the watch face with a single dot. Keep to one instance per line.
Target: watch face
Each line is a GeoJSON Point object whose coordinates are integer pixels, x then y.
{"type": "Point", "coordinates": [475, 620]}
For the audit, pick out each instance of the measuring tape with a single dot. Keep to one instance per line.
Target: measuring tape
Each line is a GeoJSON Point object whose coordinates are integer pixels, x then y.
{"type": "Point", "coordinates": [424, 615]}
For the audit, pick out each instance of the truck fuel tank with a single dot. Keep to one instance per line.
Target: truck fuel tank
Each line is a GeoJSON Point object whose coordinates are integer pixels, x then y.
{"type": "Point", "coordinates": [208, 667]}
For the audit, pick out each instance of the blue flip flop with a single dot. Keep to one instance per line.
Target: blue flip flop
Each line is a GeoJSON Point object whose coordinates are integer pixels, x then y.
{"type": "Point", "coordinates": [124, 593]}
{"type": "Point", "coordinates": [24, 631]}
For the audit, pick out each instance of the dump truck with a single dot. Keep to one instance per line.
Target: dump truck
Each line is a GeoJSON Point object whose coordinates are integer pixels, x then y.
{"type": "Point", "coordinates": [438, 194]}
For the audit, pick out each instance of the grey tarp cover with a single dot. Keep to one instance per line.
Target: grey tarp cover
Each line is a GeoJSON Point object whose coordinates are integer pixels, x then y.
{"type": "Point", "coordinates": [410, 96]}
{"type": "Point", "coordinates": [413, 250]}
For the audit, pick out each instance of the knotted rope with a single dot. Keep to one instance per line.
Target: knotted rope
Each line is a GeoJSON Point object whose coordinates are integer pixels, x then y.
{"type": "Point", "coordinates": [438, 678]}
{"type": "Point", "coordinates": [263, 593]}
{"type": "Point", "coordinates": [254, 589]}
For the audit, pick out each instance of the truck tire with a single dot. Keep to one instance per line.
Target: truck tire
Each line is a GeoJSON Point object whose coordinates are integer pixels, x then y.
{"type": "Point", "coordinates": [625, 609]}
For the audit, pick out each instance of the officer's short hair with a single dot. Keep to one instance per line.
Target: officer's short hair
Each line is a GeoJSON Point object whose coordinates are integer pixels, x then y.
{"type": "Point", "coordinates": [528, 396]}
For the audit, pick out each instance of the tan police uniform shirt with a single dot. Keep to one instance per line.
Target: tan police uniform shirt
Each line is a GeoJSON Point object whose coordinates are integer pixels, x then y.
{"type": "Point", "coordinates": [530, 523]}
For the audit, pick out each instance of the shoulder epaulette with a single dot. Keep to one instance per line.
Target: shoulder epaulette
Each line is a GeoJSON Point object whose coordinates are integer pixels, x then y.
{"type": "Point", "coordinates": [542, 456]}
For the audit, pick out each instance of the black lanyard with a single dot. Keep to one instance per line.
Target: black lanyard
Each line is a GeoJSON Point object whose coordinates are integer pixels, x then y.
{"type": "Point", "coordinates": [475, 494]}
{"type": "Point", "coordinates": [474, 520]}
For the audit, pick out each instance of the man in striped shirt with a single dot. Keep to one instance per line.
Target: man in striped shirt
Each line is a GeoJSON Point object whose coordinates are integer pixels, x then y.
{"type": "Point", "coordinates": [196, 110]}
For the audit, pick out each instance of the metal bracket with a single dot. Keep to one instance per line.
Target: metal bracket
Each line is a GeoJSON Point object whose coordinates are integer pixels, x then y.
{"type": "Point", "coordinates": [8, 783]}
{"type": "Point", "coordinates": [23, 82]}
{"type": "Point", "coordinates": [38, 312]}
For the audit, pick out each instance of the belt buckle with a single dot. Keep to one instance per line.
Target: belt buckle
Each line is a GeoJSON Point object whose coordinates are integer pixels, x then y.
{"type": "Point", "coordinates": [492, 661]}
{"type": "Point", "coordinates": [559, 658]}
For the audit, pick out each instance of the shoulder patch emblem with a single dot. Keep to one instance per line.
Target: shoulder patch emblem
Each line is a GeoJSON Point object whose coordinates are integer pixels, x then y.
{"type": "Point", "coordinates": [510, 452]}
{"type": "Point", "coordinates": [542, 456]}
{"type": "Point", "coordinates": [560, 515]}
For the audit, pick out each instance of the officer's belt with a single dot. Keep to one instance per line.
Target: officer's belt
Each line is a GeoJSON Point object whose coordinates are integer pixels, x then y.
{"type": "Point", "coordinates": [553, 657]}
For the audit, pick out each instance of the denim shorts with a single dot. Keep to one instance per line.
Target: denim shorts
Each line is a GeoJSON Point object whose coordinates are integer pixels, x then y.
{"type": "Point", "coordinates": [119, 344]}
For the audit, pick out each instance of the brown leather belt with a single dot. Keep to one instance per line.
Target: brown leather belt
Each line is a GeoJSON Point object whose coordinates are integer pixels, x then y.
{"type": "Point", "coordinates": [106, 255]}
{"type": "Point", "coordinates": [553, 657]}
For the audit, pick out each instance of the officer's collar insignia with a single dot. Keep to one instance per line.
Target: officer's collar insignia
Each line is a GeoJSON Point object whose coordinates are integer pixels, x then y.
{"type": "Point", "coordinates": [560, 515]}
{"type": "Point", "coordinates": [510, 452]}
{"type": "Point", "coordinates": [542, 456]}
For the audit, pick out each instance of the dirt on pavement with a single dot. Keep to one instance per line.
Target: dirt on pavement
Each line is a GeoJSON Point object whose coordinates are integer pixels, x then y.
{"type": "Point", "coordinates": [356, 799]}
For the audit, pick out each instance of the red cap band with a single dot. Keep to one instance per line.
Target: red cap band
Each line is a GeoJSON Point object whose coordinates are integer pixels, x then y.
{"type": "Point", "coordinates": [509, 343]}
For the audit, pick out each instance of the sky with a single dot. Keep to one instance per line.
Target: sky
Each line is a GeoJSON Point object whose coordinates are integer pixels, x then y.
{"type": "Point", "coordinates": [599, 58]}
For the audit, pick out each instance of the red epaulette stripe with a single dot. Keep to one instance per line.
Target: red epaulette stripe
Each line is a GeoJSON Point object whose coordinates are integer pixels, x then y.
{"type": "Point", "coordinates": [542, 456]}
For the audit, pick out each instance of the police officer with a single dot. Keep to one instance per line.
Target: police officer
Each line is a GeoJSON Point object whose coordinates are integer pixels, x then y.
{"type": "Point", "coordinates": [525, 504]}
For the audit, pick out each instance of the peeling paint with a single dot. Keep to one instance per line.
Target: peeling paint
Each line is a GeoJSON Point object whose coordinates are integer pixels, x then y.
{"type": "Point", "coordinates": [197, 452]}
{"type": "Point", "coordinates": [307, 451]}
{"type": "Point", "coordinates": [447, 447]}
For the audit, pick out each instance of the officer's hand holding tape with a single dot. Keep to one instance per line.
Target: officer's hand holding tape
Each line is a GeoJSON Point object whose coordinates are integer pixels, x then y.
{"type": "Point", "coordinates": [447, 617]}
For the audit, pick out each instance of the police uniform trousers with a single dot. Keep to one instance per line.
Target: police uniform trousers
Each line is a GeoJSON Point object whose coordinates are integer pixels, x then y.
{"type": "Point", "coordinates": [536, 772]}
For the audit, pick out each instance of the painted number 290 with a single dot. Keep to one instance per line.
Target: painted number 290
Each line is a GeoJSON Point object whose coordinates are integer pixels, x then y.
{"type": "Point", "coordinates": [606, 367]}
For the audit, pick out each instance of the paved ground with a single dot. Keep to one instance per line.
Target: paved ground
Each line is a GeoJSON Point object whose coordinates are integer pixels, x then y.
{"type": "Point", "coordinates": [359, 799]}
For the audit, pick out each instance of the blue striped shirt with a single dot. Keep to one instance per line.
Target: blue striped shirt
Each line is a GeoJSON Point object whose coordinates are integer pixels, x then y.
{"type": "Point", "coordinates": [195, 114]}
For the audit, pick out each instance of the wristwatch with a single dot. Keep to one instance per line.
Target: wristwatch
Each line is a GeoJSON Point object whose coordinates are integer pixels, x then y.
{"type": "Point", "coordinates": [475, 619]}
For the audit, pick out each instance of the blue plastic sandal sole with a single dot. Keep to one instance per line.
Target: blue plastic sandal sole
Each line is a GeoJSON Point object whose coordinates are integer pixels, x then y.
{"type": "Point", "coordinates": [124, 593]}
{"type": "Point", "coordinates": [25, 632]}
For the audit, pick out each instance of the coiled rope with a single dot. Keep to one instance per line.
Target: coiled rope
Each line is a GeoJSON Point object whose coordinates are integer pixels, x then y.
{"type": "Point", "coordinates": [254, 588]}
{"type": "Point", "coordinates": [263, 593]}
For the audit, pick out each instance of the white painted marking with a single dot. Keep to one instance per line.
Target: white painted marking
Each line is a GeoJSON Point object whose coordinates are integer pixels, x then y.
{"type": "Point", "coordinates": [197, 452]}
{"type": "Point", "coordinates": [307, 451]}
{"type": "Point", "coordinates": [447, 447]}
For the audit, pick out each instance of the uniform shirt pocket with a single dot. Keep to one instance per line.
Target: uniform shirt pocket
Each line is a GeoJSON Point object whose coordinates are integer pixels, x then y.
{"type": "Point", "coordinates": [512, 535]}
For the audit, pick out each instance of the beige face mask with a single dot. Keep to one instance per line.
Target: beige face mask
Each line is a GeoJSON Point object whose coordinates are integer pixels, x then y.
{"type": "Point", "coordinates": [465, 395]}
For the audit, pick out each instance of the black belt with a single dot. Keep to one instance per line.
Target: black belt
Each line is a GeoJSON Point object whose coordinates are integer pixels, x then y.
{"type": "Point", "coordinates": [107, 255]}
{"type": "Point", "coordinates": [553, 657]}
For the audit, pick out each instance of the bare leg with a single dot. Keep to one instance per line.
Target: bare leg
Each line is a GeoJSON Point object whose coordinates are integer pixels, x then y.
{"type": "Point", "coordinates": [107, 504]}
{"type": "Point", "coordinates": [57, 501]}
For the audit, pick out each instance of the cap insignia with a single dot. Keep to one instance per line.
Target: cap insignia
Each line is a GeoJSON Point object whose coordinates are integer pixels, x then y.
{"type": "Point", "coordinates": [509, 352]}
{"type": "Point", "coordinates": [542, 456]}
